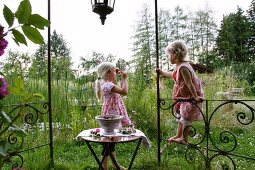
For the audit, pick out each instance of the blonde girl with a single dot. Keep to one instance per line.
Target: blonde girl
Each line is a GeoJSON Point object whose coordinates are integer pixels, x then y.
{"type": "Point", "coordinates": [186, 86]}
{"type": "Point", "coordinates": [109, 92]}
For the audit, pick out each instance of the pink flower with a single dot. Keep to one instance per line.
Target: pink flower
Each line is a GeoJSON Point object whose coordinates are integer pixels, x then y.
{"type": "Point", "coordinates": [1, 30]}
{"type": "Point", "coordinates": [3, 45]}
{"type": "Point", "coordinates": [3, 88]}
{"type": "Point", "coordinates": [3, 42]}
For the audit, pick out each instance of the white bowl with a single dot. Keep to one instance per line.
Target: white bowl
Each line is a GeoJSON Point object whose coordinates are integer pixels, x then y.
{"type": "Point", "coordinates": [109, 122]}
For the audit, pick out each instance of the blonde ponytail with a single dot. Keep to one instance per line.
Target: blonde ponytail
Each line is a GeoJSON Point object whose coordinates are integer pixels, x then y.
{"type": "Point", "coordinates": [98, 89]}
{"type": "Point", "coordinates": [102, 70]}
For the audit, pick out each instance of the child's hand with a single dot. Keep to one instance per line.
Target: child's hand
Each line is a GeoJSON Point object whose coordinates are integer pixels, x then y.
{"type": "Point", "coordinates": [198, 99]}
{"type": "Point", "coordinates": [158, 70]}
{"type": "Point", "coordinates": [123, 74]}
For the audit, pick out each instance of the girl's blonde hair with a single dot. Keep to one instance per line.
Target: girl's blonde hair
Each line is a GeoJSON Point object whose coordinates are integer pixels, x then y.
{"type": "Point", "coordinates": [179, 48]}
{"type": "Point", "coordinates": [102, 70]}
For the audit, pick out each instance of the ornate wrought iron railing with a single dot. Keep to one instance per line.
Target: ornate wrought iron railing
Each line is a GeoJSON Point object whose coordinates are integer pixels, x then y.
{"type": "Point", "coordinates": [26, 117]}
{"type": "Point", "coordinates": [217, 140]}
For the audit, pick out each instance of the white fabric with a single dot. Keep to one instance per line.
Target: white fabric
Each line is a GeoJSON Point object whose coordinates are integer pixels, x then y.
{"type": "Point", "coordinates": [145, 140]}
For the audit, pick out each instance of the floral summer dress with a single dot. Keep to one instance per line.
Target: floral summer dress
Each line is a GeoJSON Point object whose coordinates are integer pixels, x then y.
{"type": "Point", "coordinates": [113, 103]}
{"type": "Point", "coordinates": [188, 111]}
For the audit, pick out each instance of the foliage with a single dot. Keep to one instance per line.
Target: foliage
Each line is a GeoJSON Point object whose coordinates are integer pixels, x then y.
{"type": "Point", "coordinates": [17, 64]}
{"type": "Point", "coordinates": [71, 154]}
{"type": "Point", "coordinates": [29, 23]}
{"type": "Point", "coordinates": [204, 35]}
{"type": "Point", "coordinates": [209, 45]}
{"type": "Point", "coordinates": [89, 63]}
{"type": "Point", "coordinates": [232, 39]}
{"type": "Point", "coordinates": [122, 64]}
{"type": "Point", "coordinates": [60, 59]}
{"type": "Point", "coordinates": [143, 43]}
{"type": "Point", "coordinates": [7, 123]}
{"type": "Point", "coordinates": [197, 29]}
{"type": "Point", "coordinates": [251, 20]}
{"type": "Point", "coordinates": [164, 36]}
{"type": "Point", "coordinates": [39, 63]}
{"type": "Point", "coordinates": [74, 106]}
{"type": "Point", "coordinates": [179, 20]}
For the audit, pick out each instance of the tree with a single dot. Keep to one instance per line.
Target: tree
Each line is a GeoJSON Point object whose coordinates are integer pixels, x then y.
{"type": "Point", "coordinates": [122, 64]}
{"type": "Point", "coordinates": [190, 34]}
{"type": "Point", "coordinates": [61, 60]}
{"type": "Point", "coordinates": [143, 44]}
{"type": "Point", "coordinates": [17, 64]}
{"type": "Point", "coordinates": [60, 55]}
{"type": "Point", "coordinates": [164, 36]}
{"type": "Point", "coordinates": [251, 39]}
{"type": "Point", "coordinates": [232, 37]}
{"type": "Point", "coordinates": [89, 63]}
{"type": "Point", "coordinates": [204, 34]}
{"type": "Point", "coordinates": [179, 24]}
{"type": "Point", "coordinates": [39, 63]}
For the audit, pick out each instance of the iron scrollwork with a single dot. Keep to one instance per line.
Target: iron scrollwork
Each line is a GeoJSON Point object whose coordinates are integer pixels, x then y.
{"type": "Point", "coordinates": [214, 150]}
{"type": "Point", "coordinates": [14, 139]}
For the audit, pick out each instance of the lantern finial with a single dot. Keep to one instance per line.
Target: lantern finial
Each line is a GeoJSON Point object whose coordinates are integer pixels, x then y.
{"type": "Point", "coordinates": [102, 8]}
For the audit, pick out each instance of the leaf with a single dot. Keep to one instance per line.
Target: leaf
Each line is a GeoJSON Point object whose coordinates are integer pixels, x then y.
{"type": "Point", "coordinates": [32, 34]}
{"type": "Point", "coordinates": [27, 98]}
{"type": "Point", "coordinates": [24, 11]}
{"type": "Point", "coordinates": [14, 90]}
{"type": "Point", "coordinates": [5, 117]}
{"type": "Point", "coordinates": [40, 96]}
{"type": "Point", "coordinates": [8, 15]}
{"type": "Point", "coordinates": [19, 83]}
{"type": "Point", "coordinates": [18, 130]}
{"type": "Point", "coordinates": [19, 37]}
{"type": "Point", "coordinates": [38, 21]}
{"type": "Point", "coordinates": [4, 146]}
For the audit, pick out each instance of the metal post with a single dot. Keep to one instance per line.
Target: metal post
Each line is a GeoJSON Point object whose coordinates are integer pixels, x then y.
{"type": "Point", "coordinates": [49, 86]}
{"type": "Point", "coordinates": [157, 65]}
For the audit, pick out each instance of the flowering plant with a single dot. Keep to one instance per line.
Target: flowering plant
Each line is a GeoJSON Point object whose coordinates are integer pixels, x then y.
{"type": "Point", "coordinates": [3, 88]}
{"type": "Point", "coordinates": [3, 42]}
{"type": "Point", "coordinates": [27, 28]}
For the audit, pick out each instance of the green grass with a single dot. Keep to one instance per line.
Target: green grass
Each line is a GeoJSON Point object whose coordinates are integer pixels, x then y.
{"type": "Point", "coordinates": [75, 155]}
{"type": "Point", "coordinates": [70, 154]}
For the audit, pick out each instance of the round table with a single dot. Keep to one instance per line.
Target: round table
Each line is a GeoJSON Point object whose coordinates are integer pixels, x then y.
{"type": "Point", "coordinates": [107, 140]}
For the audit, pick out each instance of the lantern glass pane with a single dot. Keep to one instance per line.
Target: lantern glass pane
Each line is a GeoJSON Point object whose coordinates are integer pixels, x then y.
{"type": "Point", "coordinates": [111, 3]}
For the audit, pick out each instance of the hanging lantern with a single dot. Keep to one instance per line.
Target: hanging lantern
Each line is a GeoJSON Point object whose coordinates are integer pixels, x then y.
{"type": "Point", "coordinates": [102, 8]}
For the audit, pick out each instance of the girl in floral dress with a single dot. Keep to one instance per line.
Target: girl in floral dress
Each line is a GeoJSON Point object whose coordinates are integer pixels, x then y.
{"type": "Point", "coordinates": [110, 93]}
{"type": "Point", "coordinates": [186, 86]}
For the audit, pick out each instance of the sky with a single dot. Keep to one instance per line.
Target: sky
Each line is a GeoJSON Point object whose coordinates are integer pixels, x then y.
{"type": "Point", "coordinates": [82, 29]}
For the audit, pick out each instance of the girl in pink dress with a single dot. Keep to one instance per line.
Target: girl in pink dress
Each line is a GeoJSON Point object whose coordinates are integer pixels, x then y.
{"type": "Point", "coordinates": [186, 86]}
{"type": "Point", "coordinates": [110, 93]}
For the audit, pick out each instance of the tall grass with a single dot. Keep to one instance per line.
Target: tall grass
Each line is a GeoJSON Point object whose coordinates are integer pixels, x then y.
{"type": "Point", "coordinates": [74, 108]}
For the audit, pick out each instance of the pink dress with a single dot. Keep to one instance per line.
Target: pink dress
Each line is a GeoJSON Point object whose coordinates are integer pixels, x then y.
{"type": "Point", "coordinates": [113, 103]}
{"type": "Point", "coordinates": [188, 111]}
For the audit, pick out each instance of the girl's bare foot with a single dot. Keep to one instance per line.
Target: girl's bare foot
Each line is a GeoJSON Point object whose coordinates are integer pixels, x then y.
{"type": "Point", "coordinates": [181, 141]}
{"type": "Point", "coordinates": [121, 167]}
{"type": "Point", "coordinates": [170, 140]}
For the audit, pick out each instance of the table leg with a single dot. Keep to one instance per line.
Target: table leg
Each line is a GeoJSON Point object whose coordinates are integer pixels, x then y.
{"type": "Point", "coordinates": [94, 154]}
{"type": "Point", "coordinates": [112, 157]}
{"type": "Point", "coordinates": [136, 149]}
